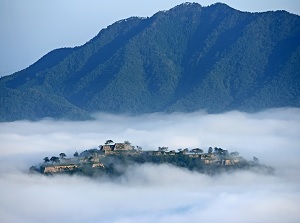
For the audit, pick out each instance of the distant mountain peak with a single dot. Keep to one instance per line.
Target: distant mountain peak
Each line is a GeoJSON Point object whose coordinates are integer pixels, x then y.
{"type": "Point", "coordinates": [193, 4]}
{"type": "Point", "coordinates": [185, 59]}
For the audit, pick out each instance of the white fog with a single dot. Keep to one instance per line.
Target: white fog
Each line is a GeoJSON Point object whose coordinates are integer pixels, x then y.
{"type": "Point", "coordinates": [150, 193]}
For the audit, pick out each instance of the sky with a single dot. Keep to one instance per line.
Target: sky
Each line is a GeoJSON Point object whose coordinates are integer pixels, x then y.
{"type": "Point", "coordinates": [154, 193]}
{"type": "Point", "coordinates": [32, 28]}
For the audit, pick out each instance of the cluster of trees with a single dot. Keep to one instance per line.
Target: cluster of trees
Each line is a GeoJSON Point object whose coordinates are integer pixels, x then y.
{"type": "Point", "coordinates": [55, 159]}
{"type": "Point", "coordinates": [216, 150]}
{"type": "Point", "coordinates": [117, 164]}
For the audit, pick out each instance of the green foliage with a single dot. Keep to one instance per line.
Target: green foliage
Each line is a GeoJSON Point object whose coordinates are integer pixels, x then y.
{"type": "Point", "coordinates": [188, 58]}
{"type": "Point", "coordinates": [116, 165]}
{"type": "Point", "coordinates": [54, 159]}
{"type": "Point", "coordinates": [62, 155]}
{"type": "Point", "coordinates": [108, 142]}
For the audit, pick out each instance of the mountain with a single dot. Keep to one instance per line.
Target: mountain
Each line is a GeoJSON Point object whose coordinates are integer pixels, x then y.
{"type": "Point", "coordinates": [185, 59]}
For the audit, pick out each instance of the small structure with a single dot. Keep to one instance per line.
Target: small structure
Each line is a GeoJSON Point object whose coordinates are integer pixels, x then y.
{"type": "Point", "coordinates": [194, 155]}
{"type": "Point", "coordinates": [108, 149]}
{"type": "Point", "coordinates": [158, 153]}
{"type": "Point", "coordinates": [116, 148]}
{"type": "Point", "coordinates": [208, 161]}
{"type": "Point", "coordinates": [122, 147]}
{"type": "Point", "coordinates": [172, 153]}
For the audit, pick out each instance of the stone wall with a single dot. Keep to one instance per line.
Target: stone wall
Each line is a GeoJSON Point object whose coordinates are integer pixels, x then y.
{"type": "Point", "coordinates": [61, 168]}
{"type": "Point", "coordinates": [97, 165]}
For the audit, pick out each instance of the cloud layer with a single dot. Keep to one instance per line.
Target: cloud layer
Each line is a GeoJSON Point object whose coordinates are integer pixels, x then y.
{"type": "Point", "coordinates": [152, 193]}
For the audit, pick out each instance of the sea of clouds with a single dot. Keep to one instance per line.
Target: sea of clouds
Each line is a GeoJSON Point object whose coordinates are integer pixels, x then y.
{"type": "Point", "coordinates": [150, 193]}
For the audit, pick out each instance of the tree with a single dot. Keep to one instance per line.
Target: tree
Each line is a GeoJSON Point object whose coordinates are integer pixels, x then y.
{"type": "Point", "coordinates": [46, 159]}
{"type": "Point", "coordinates": [218, 151]}
{"type": "Point", "coordinates": [225, 152]}
{"type": "Point", "coordinates": [210, 150]}
{"type": "Point", "coordinates": [62, 155]}
{"type": "Point", "coordinates": [234, 154]}
{"type": "Point", "coordinates": [76, 154]}
{"type": "Point", "coordinates": [186, 150]}
{"type": "Point", "coordinates": [108, 142]}
{"type": "Point", "coordinates": [54, 159]}
{"type": "Point", "coordinates": [197, 150]}
{"type": "Point", "coordinates": [127, 143]}
{"type": "Point", "coordinates": [139, 148]}
{"type": "Point", "coordinates": [255, 159]}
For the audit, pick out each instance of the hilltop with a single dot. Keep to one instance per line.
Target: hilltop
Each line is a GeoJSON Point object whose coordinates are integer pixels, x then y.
{"type": "Point", "coordinates": [112, 159]}
{"type": "Point", "coordinates": [188, 58]}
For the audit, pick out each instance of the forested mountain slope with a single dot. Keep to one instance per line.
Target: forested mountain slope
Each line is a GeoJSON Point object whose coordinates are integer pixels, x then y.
{"type": "Point", "coordinates": [185, 59]}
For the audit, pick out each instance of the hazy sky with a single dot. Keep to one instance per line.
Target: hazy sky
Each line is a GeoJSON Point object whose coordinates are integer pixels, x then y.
{"type": "Point", "coordinates": [150, 193]}
{"type": "Point", "coordinates": [29, 29]}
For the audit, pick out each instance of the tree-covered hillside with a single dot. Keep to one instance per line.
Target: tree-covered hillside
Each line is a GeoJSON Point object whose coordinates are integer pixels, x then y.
{"type": "Point", "coordinates": [187, 58]}
{"type": "Point", "coordinates": [114, 160]}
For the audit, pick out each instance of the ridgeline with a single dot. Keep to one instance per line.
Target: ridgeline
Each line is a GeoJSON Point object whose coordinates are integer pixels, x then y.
{"type": "Point", "coordinates": [185, 59]}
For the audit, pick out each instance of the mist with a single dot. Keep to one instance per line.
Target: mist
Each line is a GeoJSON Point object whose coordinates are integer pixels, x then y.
{"type": "Point", "coordinates": [151, 193]}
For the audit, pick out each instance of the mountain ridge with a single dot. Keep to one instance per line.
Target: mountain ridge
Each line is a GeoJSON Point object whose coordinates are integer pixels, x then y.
{"type": "Point", "coordinates": [185, 59]}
